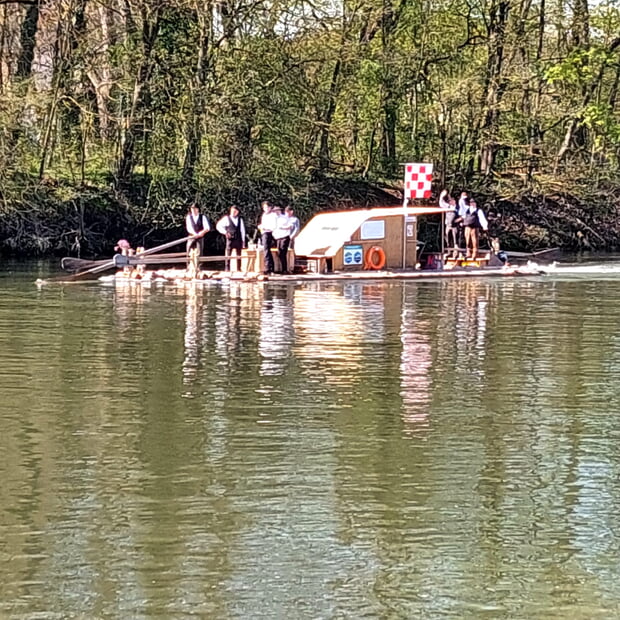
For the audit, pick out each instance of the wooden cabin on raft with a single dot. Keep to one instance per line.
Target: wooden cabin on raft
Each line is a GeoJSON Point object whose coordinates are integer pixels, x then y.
{"type": "Point", "coordinates": [372, 239]}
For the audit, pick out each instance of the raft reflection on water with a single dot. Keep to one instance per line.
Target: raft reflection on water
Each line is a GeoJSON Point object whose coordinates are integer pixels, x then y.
{"type": "Point", "coordinates": [330, 332]}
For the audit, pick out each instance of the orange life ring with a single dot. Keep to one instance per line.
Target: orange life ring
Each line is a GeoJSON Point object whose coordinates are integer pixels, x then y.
{"type": "Point", "coordinates": [375, 252]}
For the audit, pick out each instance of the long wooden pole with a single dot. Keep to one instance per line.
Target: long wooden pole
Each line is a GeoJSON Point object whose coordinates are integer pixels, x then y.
{"type": "Point", "coordinates": [110, 264]}
{"type": "Point", "coordinates": [69, 263]}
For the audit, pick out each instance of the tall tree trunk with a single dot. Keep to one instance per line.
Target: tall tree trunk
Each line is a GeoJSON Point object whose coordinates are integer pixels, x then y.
{"type": "Point", "coordinates": [535, 135]}
{"type": "Point", "coordinates": [494, 83]}
{"type": "Point", "coordinates": [27, 39]}
{"type": "Point", "coordinates": [134, 120]}
{"type": "Point", "coordinates": [389, 103]}
{"type": "Point", "coordinates": [100, 73]}
{"type": "Point", "coordinates": [580, 29]}
{"type": "Point", "coordinates": [328, 116]}
{"type": "Point", "coordinates": [199, 83]}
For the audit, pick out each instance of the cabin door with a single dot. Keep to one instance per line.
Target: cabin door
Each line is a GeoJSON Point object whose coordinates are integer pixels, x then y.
{"type": "Point", "coordinates": [411, 241]}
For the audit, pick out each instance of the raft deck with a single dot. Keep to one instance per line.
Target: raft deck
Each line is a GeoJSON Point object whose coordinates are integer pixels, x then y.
{"type": "Point", "coordinates": [179, 276]}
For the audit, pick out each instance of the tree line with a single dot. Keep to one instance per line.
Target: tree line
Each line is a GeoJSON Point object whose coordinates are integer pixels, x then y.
{"type": "Point", "coordinates": [220, 93]}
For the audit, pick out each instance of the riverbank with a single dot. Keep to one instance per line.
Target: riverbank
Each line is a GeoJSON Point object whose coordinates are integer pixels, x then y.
{"type": "Point", "coordinates": [54, 218]}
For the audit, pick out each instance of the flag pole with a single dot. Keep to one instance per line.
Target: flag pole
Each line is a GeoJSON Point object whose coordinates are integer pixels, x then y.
{"type": "Point", "coordinates": [417, 184]}
{"type": "Point", "coordinates": [405, 200]}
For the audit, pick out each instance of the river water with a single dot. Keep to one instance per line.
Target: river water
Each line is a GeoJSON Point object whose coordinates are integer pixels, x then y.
{"type": "Point", "coordinates": [347, 450]}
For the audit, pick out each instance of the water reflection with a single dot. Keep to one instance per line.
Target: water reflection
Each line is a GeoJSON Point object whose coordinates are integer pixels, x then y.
{"type": "Point", "coordinates": [192, 339]}
{"type": "Point", "coordinates": [415, 365]}
{"type": "Point", "coordinates": [277, 329]}
{"type": "Point", "coordinates": [382, 450]}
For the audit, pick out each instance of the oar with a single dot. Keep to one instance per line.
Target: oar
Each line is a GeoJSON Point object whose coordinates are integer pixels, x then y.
{"type": "Point", "coordinates": [110, 264]}
{"type": "Point", "coordinates": [537, 253]}
{"type": "Point", "coordinates": [164, 246]}
{"type": "Point", "coordinates": [69, 263]}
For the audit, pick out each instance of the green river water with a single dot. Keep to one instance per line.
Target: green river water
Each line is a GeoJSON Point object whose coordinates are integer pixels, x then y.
{"type": "Point", "coordinates": [349, 450]}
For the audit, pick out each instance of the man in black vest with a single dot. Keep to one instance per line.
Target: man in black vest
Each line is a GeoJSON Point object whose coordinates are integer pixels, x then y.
{"type": "Point", "coordinates": [473, 220]}
{"type": "Point", "coordinates": [197, 225]}
{"type": "Point", "coordinates": [232, 227]}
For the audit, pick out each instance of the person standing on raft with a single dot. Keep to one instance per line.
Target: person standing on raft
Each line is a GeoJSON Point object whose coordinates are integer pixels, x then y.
{"type": "Point", "coordinates": [197, 225]}
{"type": "Point", "coordinates": [295, 226]}
{"type": "Point", "coordinates": [282, 238]}
{"type": "Point", "coordinates": [232, 227]}
{"type": "Point", "coordinates": [268, 223]}
{"type": "Point", "coordinates": [451, 218]}
{"type": "Point", "coordinates": [473, 220]}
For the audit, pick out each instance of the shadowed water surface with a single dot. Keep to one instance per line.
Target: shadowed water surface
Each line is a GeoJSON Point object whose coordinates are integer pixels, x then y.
{"type": "Point", "coordinates": [433, 449]}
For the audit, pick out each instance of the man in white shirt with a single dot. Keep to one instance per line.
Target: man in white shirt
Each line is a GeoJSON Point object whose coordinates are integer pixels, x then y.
{"type": "Point", "coordinates": [232, 227]}
{"type": "Point", "coordinates": [463, 203]}
{"type": "Point", "coordinates": [197, 225]}
{"type": "Point", "coordinates": [281, 234]}
{"type": "Point", "coordinates": [295, 225]}
{"type": "Point", "coordinates": [268, 223]}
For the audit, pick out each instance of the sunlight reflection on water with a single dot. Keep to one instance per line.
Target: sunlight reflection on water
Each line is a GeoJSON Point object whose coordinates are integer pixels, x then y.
{"type": "Point", "coordinates": [435, 449]}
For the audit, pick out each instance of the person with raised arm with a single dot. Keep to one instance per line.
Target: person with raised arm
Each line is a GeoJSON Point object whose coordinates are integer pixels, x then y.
{"type": "Point", "coordinates": [450, 218]}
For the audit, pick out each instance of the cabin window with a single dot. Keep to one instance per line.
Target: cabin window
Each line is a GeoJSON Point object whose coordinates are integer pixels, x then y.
{"type": "Point", "coordinates": [373, 229]}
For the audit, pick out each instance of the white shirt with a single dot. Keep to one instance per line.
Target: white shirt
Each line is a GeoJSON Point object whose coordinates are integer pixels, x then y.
{"type": "Point", "coordinates": [229, 220]}
{"type": "Point", "coordinates": [444, 202]}
{"type": "Point", "coordinates": [463, 206]}
{"type": "Point", "coordinates": [295, 225]}
{"type": "Point", "coordinates": [283, 226]}
{"type": "Point", "coordinates": [268, 222]}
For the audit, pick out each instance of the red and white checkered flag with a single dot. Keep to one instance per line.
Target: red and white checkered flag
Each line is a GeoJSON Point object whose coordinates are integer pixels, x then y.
{"type": "Point", "coordinates": [418, 179]}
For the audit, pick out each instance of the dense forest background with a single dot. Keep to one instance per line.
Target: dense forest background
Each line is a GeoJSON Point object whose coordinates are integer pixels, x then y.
{"type": "Point", "coordinates": [115, 113]}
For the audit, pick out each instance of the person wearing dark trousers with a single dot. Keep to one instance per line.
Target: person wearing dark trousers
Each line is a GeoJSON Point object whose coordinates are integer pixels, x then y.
{"type": "Point", "coordinates": [232, 227]}
{"type": "Point", "coordinates": [281, 235]}
{"type": "Point", "coordinates": [451, 218]}
{"type": "Point", "coordinates": [295, 226]}
{"type": "Point", "coordinates": [197, 225]}
{"type": "Point", "coordinates": [268, 223]}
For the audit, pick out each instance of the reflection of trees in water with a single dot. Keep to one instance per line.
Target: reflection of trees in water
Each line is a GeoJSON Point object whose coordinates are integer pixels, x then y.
{"type": "Point", "coordinates": [512, 495]}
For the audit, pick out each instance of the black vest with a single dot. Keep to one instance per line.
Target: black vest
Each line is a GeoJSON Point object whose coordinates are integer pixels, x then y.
{"type": "Point", "coordinates": [198, 224]}
{"type": "Point", "coordinates": [233, 232]}
{"type": "Point", "coordinates": [471, 219]}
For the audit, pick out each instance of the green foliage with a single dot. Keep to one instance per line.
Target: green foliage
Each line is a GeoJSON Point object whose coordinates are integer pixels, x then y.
{"type": "Point", "coordinates": [235, 94]}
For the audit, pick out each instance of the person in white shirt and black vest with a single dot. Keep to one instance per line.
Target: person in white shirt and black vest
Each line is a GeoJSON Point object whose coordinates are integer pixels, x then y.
{"type": "Point", "coordinates": [473, 220]}
{"type": "Point", "coordinates": [197, 225]}
{"type": "Point", "coordinates": [232, 227]}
